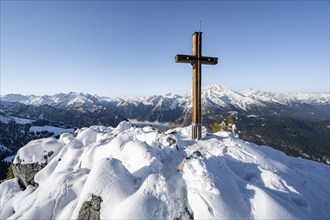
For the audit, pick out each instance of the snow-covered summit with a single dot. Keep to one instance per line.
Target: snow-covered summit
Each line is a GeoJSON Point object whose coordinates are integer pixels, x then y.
{"type": "Point", "coordinates": [224, 97]}
{"type": "Point", "coordinates": [133, 173]}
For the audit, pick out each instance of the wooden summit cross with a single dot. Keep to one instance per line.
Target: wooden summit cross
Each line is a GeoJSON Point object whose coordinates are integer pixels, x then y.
{"type": "Point", "coordinates": [196, 60]}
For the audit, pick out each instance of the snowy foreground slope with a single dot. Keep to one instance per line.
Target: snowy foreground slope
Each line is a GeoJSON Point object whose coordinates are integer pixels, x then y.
{"type": "Point", "coordinates": [134, 173]}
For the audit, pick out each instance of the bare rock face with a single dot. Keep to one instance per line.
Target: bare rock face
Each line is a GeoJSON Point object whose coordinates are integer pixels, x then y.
{"type": "Point", "coordinates": [25, 172]}
{"type": "Point", "coordinates": [90, 210]}
{"type": "Point", "coordinates": [185, 214]}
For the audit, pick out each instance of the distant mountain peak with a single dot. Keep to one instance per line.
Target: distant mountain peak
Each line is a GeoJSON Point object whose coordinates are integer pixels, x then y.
{"type": "Point", "coordinates": [224, 97]}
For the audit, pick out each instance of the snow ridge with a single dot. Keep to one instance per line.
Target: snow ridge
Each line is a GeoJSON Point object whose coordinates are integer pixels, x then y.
{"type": "Point", "coordinates": [135, 172]}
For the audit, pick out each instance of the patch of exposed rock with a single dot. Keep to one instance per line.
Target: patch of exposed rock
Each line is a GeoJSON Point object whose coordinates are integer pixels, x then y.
{"type": "Point", "coordinates": [25, 172]}
{"type": "Point", "coordinates": [185, 214]}
{"type": "Point", "coordinates": [90, 210]}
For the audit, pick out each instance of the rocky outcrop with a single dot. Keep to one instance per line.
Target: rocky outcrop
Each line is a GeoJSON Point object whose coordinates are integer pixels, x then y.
{"type": "Point", "coordinates": [90, 210]}
{"type": "Point", "coordinates": [25, 172]}
{"type": "Point", "coordinates": [185, 214]}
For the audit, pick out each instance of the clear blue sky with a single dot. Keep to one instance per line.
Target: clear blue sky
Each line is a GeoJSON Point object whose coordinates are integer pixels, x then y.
{"type": "Point", "coordinates": [117, 48]}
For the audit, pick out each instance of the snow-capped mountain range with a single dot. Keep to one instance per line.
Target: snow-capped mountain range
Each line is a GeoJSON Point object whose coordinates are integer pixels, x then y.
{"type": "Point", "coordinates": [59, 100]}
{"type": "Point", "coordinates": [215, 94]}
{"type": "Point", "coordinates": [141, 173]}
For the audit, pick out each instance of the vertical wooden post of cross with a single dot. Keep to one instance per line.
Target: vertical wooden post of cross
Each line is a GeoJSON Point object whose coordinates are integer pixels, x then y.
{"type": "Point", "coordinates": [196, 60]}
{"type": "Point", "coordinates": [196, 91]}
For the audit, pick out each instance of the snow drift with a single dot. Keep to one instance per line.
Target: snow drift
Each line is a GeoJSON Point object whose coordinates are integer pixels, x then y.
{"type": "Point", "coordinates": [133, 173]}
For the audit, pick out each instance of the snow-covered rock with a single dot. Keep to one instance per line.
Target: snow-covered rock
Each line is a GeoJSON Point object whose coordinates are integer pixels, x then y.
{"type": "Point", "coordinates": [133, 173]}
{"type": "Point", "coordinates": [32, 158]}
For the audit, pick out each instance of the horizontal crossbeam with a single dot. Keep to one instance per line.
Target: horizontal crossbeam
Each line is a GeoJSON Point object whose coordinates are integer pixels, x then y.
{"type": "Point", "coordinates": [180, 58]}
